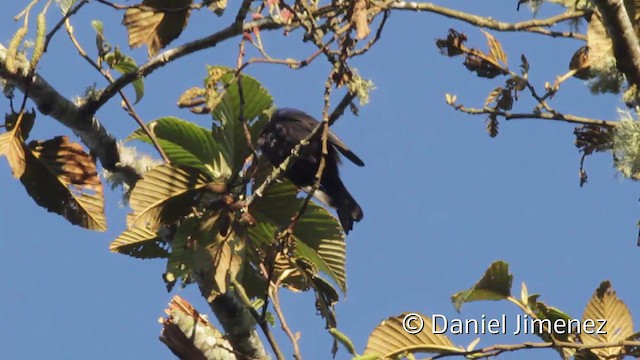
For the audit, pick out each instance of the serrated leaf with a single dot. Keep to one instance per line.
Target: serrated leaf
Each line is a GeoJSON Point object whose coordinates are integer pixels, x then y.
{"type": "Point", "coordinates": [165, 194]}
{"type": "Point", "coordinates": [217, 262]}
{"type": "Point", "coordinates": [359, 19]}
{"type": "Point", "coordinates": [149, 25]}
{"type": "Point", "coordinates": [126, 64]}
{"type": "Point", "coordinates": [494, 285]}
{"type": "Point", "coordinates": [606, 306]}
{"type": "Point", "coordinates": [186, 143]}
{"type": "Point", "coordinates": [318, 234]}
{"type": "Point", "coordinates": [229, 133]}
{"type": "Point", "coordinates": [13, 148]}
{"type": "Point", "coordinates": [139, 243]}
{"type": "Point", "coordinates": [390, 339]}
{"type": "Point", "coordinates": [495, 49]}
{"type": "Point", "coordinates": [63, 179]}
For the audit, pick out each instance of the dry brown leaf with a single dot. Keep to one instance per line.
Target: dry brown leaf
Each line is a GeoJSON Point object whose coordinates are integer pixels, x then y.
{"type": "Point", "coordinates": [493, 95]}
{"type": "Point", "coordinates": [63, 179]}
{"type": "Point", "coordinates": [360, 20]}
{"type": "Point", "coordinates": [598, 41]}
{"type": "Point", "coordinates": [580, 63]}
{"type": "Point", "coordinates": [156, 23]}
{"type": "Point", "coordinates": [218, 263]}
{"type": "Point", "coordinates": [495, 48]}
{"type": "Point", "coordinates": [13, 148]}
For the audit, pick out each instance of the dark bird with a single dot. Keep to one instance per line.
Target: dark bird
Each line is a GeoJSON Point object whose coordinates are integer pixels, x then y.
{"type": "Point", "coordinates": [285, 130]}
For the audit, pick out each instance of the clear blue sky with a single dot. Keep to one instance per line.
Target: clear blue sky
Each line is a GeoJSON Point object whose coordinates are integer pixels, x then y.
{"type": "Point", "coordinates": [441, 199]}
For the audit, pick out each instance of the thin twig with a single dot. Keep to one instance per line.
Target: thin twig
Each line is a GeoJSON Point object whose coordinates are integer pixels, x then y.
{"type": "Point", "coordinates": [243, 120]}
{"type": "Point", "coordinates": [129, 107]}
{"type": "Point", "coordinates": [242, 12]}
{"type": "Point", "coordinates": [342, 106]}
{"type": "Point", "coordinates": [323, 156]}
{"type": "Point", "coordinates": [170, 55]}
{"type": "Point", "coordinates": [113, 5]}
{"type": "Point", "coordinates": [535, 26]}
{"type": "Point", "coordinates": [284, 166]}
{"type": "Point", "coordinates": [25, 12]}
{"type": "Point", "coordinates": [262, 323]}
{"type": "Point", "coordinates": [62, 21]}
{"type": "Point", "coordinates": [283, 322]}
{"type": "Point", "coordinates": [541, 116]}
{"type": "Point", "coordinates": [292, 63]}
{"type": "Point", "coordinates": [375, 39]}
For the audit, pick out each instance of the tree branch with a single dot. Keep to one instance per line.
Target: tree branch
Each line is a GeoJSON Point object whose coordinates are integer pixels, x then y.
{"type": "Point", "coordinates": [50, 102]}
{"type": "Point", "coordinates": [536, 25]}
{"type": "Point", "coordinates": [127, 104]}
{"type": "Point", "coordinates": [268, 23]}
{"type": "Point", "coordinates": [238, 324]}
{"type": "Point", "coordinates": [541, 116]}
{"type": "Point", "coordinates": [625, 42]}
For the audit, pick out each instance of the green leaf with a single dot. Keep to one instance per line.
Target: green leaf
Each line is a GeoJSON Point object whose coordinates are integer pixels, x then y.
{"type": "Point", "coordinates": [252, 281]}
{"type": "Point", "coordinates": [318, 234]}
{"type": "Point", "coordinates": [65, 5]}
{"type": "Point", "coordinates": [494, 285]}
{"type": "Point", "coordinates": [344, 340]}
{"type": "Point", "coordinates": [127, 64]}
{"type": "Point", "coordinates": [166, 194]}
{"type": "Point", "coordinates": [186, 143]}
{"type": "Point", "coordinates": [230, 132]}
{"type": "Point", "coordinates": [180, 260]}
{"type": "Point", "coordinates": [547, 316]}
{"type": "Point", "coordinates": [98, 27]}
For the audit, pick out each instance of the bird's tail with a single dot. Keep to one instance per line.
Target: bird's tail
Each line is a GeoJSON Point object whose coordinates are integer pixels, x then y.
{"type": "Point", "coordinates": [348, 209]}
{"type": "Point", "coordinates": [336, 195]}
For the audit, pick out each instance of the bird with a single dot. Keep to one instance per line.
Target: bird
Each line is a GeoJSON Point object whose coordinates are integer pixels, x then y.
{"type": "Point", "coordinates": [287, 128]}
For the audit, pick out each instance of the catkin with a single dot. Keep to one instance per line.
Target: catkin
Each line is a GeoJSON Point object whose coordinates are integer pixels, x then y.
{"type": "Point", "coordinates": [38, 49]}
{"type": "Point", "coordinates": [12, 51]}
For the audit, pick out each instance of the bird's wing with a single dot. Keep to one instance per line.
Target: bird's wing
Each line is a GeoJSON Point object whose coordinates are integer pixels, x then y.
{"type": "Point", "coordinates": [344, 149]}
{"type": "Point", "coordinates": [310, 124]}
